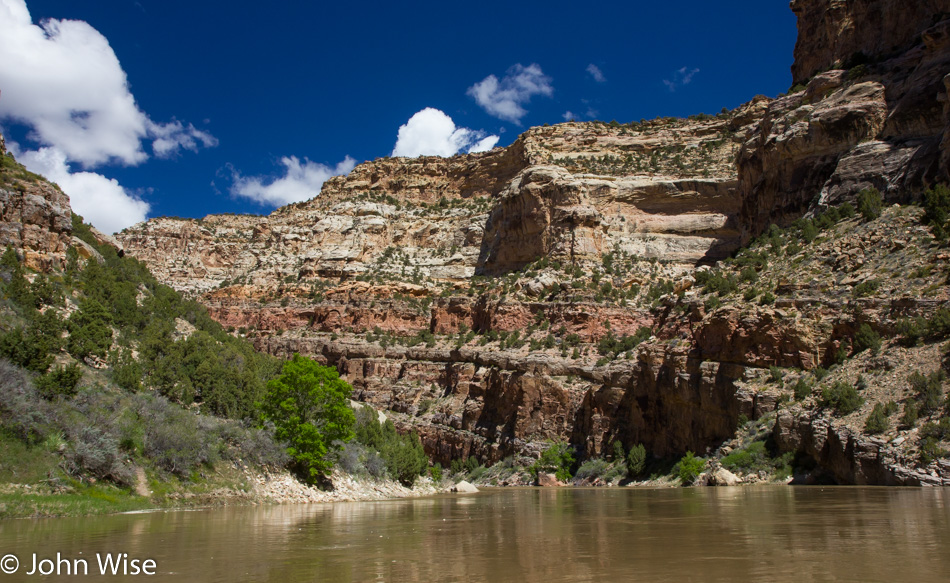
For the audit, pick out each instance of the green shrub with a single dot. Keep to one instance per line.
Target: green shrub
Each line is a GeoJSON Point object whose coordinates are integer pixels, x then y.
{"type": "Point", "coordinates": [557, 458]}
{"type": "Point", "coordinates": [776, 375]}
{"type": "Point", "coordinates": [866, 288]}
{"type": "Point", "coordinates": [911, 330]}
{"type": "Point", "coordinates": [748, 275]}
{"type": "Point", "coordinates": [842, 397]}
{"type": "Point", "coordinates": [938, 327]}
{"type": "Point", "coordinates": [308, 405]}
{"type": "Point", "coordinates": [867, 339]}
{"type": "Point", "coordinates": [876, 421]}
{"type": "Point", "coordinates": [928, 389]}
{"type": "Point", "coordinates": [937, 210]}
{"type": "Point", "coordinates": [173, 438]}
{"type": "Point", "coordinates": [636, 460]}
{"type": "Point", "coordinates": [930, 450]}
{"type": "Point", "coordinates": [767, 299]}
{"type": "Point", "coordinates": [939, 430]}
{"type": "Point", "coordinates": [689, 468]}
{"type": "Point", "coordinates": [909, 418]}
{"type": "Point", "coordinates": [801, 389]}
{"type": "Point", "coordinates": [714, 281]}
{"type": "Point", "coordinates": [61, 381]}
{"type": "Point", "coordinates": [870, 203]}
{"type": "Point", "coordinates": [752, 456]}
{"type": "Point", "coordinates": [592, 469]}
{"type": "Point", "coordinates": [90, 330]}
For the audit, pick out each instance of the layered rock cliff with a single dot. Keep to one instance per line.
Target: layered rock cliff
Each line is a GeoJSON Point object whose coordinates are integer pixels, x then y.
{"type": "Point", "coordinates": [35, 216]}
{"type": "Point", "coordinates": [868, 109]}
{"type": "Point", "coordinates": [551, 289]}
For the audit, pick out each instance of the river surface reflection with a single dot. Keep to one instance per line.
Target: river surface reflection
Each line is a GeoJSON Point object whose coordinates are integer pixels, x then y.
{"type": "Point", "coordinates": [526, 535]}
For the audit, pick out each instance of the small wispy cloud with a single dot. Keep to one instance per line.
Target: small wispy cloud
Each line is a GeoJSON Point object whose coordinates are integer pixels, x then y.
{"type": "Point", "coordinates": [596, 73]}
{"type": "Point", "coordinates": [680, 78]}
{"type": "Point", "coordinates": [505, 99]}
{"type": "Point", "coordinates": [569, 116]}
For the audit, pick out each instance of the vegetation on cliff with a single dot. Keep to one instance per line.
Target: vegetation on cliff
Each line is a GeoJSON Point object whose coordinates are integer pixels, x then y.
{"type": "Point", "coordinates": [115, 388]}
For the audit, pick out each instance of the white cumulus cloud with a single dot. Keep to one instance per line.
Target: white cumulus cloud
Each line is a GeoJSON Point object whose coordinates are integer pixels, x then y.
{"type": "Point", "coordinates": [505, 99]}
{"type": "Point", "coordinates": [431, 132]}
{"type": "Point", "coordinates": [302, 180]}
{"type": "Point", "coordinates": [681, 77]}
{"type": "Point", "coordinates": [62, 79]}
{"type": "Point", "coordinates": [596, 73]}
{"type": "Point", "coordinates": [99, 200]}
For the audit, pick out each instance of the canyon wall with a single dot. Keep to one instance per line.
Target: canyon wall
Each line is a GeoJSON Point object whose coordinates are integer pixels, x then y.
{"type": "Point", "coordinates": [869, 109]}
{"type": "Point", "coordinates": [548, 290]}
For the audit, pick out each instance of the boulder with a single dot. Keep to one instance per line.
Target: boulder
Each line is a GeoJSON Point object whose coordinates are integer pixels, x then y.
{"type": "Point", "coordinates": [464, 487]}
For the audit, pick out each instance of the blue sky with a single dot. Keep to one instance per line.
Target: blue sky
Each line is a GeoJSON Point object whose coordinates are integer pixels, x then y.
{"type": "Point", "coordinates": [171, 107]}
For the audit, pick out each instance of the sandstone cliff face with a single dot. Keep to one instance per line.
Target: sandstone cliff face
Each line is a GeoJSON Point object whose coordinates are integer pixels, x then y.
{"type": "Point", "coordinates": [492, 301]}
{"type": "Point", "coordinates": [881, 123]}
{"type": "Point", "coordinates": [832, 33]}
{"type": "Point", "coordinates": [35, 216]}
{"type": "Point", "coordinates": [490, 212]}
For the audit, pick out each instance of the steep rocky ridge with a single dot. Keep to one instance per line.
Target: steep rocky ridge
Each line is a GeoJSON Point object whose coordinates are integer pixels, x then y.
{"type": "Point", "coordinates": [868, 109]}
{"type": "Point", "coordinates": [35, 217]}
{"type": "Point", "coordinates": [492, 301]}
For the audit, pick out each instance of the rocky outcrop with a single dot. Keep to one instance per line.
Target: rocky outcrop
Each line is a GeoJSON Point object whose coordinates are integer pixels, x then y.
{"type": "Point", "coordinates": [839, 33]}
{"type": "Point", "coordinates": [451, 217]}
{"type": "Point", "coordinates": [871, 115]}
{"type": "Point", "coordinates": [35, 217]}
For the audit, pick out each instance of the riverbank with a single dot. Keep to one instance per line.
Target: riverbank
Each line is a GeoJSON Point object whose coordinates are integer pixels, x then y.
{"type": "Point", "coordinates": [239, 487]}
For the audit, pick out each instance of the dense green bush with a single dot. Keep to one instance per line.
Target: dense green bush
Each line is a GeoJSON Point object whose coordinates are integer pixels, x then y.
{"type": "Point", "coordinates": [938, 327]}
{"type": "Point", "coordinates": [557, 458]}
{"type": "Point", "coordinates": [909, 418]}
{"type": "Point", "coordinates": [842, 397]}
{"type": "Point", "coordinates": [753, 455]}
{"type": "Point", "coordinates": [636, 460]}
{"type": "Point", "coordinates": [611, 344]}
{"type": "Point", "coordinates": [876, 421]}
{"type": "Point", "coordinates": [592, 469]}
{"type": "Point", "coordinates": [61, 381]}
{"type": "Point", "coordinates": [928, 390]}
{"type": "Point", "coordinates": [870, 203]}
{"type": "Point", "coordinates": [911, 330]}
{"type": "Point", "coordinates": [689, 467]}
{"type": "Point", "coordinates": [866, 288]}
{"type": "Point", "coordinates": [308, 405]}
{"type": "Point", "coordinates": [715, 281]}
{"type": "Point", "coordinates": [867, 339]}
{"type": "Point", "coordinates": [937, 211]}
{"type": "Point", "coordinates": [400, 455]}
{"type": "Point", "coordinates": [930, 450]}
{"type": "Point", "coordinates": [756, 457]}
{"type": "Point", "coordinates": [90, 330]}
{"type": "Point", "coordinates": [801, 389]}
{"type": "Point", "coordinates": [939, 430]}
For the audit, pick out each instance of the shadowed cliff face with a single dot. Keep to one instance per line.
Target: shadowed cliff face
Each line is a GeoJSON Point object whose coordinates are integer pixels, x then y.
{"type": "Point", "coordinates": [837, 33]}
{"type": "Point", "coordinates": [872, 111]}
{"type": "Point", "coordinates": [550, 289]}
